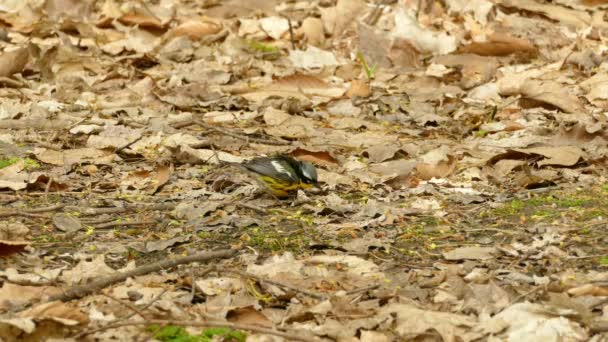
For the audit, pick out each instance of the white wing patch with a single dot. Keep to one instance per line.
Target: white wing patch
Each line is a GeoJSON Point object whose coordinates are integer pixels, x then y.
{"type": "Point", "coordinates": [280, 168]}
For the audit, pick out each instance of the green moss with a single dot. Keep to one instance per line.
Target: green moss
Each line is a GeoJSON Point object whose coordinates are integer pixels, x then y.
{"type": "Point", "coordinates": [267, 51]}
{"type": "Point", "coordinates": [481, 133]}
{"type": "Point", "coordinates": [171, 333]}
{"type": "Point", "coordinates": [274, 240]}
{"type": "Point", "coordinates": [29, 164]}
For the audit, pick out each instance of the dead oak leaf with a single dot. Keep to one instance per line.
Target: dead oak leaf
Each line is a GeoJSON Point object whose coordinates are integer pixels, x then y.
{"type": "Point", "coordinates": [500, 44]}
{"type": "Point", "coordinates": [12, 247]}
{"type": "Point", "coordinates": [557, 156]}
{"type": "Point", "coordinates": [13, 62]}
{"type": "Point", "coordinates": [411, 322]}
{"type": "Point", "coordinates": [12, 295]}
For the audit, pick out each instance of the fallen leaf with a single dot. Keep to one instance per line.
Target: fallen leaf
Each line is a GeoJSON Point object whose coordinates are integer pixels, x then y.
{"type": "Point", "coordinates": [161, 177]}
{"type": "Point", "coordinates": [248, 315]}
{"type": "Point", "coordinates": [66, 223]}
{"type": "Point", "coordinates": [87, 270]}
{"type": "Point", "coordinates": [13, 62]}
{"type": "Point", "coordinates": [12, 247]}
{"type": "Point", "coordinates": [161, 245]}
{"type": "Point", "coordinates": [13, 230]}
{"type": "Point", "coordinates": [312, 58]}
{"type": "Point", "coordinates": [322, 157]}
{"type": "Point", "coordinates": [358, 88]}
{"type": "Point", "coordinates": [529, 322]}
{"type": "Point", "coordinates": [12, 295]}
{"type": "Point", "coordinates": [196, 29]}
{"type": "Point", "coordinates": [312, 29]}
{"type": "Point", "coordinates": [114, 136]}
{"type": "Point", "coordinates": [411, 322]}
{"type": "Point", "coordinates": [436, 43]}
{"type": "Point", "coordinates": [306, 84]}
{"type": "Point", "coordinates": [500, 44]}
{"type": "Point", "coordinates": [470, 253]}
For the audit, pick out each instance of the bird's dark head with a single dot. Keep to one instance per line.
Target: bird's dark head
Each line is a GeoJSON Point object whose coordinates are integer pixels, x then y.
{"type": "Point", "coordinates": [308, 173]}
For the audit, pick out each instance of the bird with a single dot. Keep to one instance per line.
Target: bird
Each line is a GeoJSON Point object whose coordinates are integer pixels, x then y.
{"type": "Point", "coordinates": [282, 175]}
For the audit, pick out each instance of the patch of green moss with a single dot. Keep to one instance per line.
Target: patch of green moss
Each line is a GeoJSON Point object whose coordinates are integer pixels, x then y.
{"type": "Point", "coordinates": [266, 51]}
{"type": "Point", "coordinates": [274, 240]}
{"type": "Point", "coordinates": [171, 333]}
{"type": "Point", "coordinates": [565, 202]}
{"type": "Point", "coordinates": [29, 164]}
{"type": "Point", "coordinates": [481, 133]}
{"type": "Point", "coordinates": [580, 206]}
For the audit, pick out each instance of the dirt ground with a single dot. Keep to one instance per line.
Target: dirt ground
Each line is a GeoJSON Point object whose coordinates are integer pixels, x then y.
{"type": "Point", "coordinates": [461, 149]}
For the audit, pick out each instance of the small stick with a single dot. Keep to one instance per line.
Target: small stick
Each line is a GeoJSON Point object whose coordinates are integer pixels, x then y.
{"type": "Point", "coordinates": [238, 136]}
{"type": "Point", "coordinates": [122, 224]}
{"type": "Point", "coordinates": [115, 210]}
{"type": "Point", "coordinates": [127, 304]}
{"type": "Point", "coordinates": [291, 36]}
{"type": "Point", "coordinates": [45, 209]}
{"type": "Point", "coordinates": [30, 212]}
{"type": "Point", "coordinates": [79, 291]}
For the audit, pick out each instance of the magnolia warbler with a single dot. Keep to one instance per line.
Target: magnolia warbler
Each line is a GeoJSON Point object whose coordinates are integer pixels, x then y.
{"type": "Point", "coordinates": [282, 175]}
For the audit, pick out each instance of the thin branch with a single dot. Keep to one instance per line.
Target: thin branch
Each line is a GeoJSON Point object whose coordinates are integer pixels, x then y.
{"type": "Point", "coordinates": [239, 136]}
{"type": "Point", "coordinates": [80, 291]}
{"type": "Point", "coordinates": [46, 209]}
{"type": "Point", "coordinates": [127, 304]}
{"type": "Point", "coordinates": [115, 210]}
{"type": "Point", "coordinates": [123, 224]}
{"type": "Point", "coordinates": [30, 212]}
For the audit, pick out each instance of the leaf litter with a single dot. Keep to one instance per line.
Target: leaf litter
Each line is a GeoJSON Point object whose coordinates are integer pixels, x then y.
{"type": "Point", "coordinates": [460, 146]}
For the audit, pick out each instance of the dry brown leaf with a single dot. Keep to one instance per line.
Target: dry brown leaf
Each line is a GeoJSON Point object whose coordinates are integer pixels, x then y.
{"type": "Point", "coordinates": [440, 169]}
{"type": "Point", "coordinates": [312, 29]}
{"type": "Point", "coordinates": [322, 157]}
{"type": "Point", "coordinates": [567, 16]}
{"type": "Point", "coordinates": [558, 156]}
{"type": "Point", "coordinates": [470, 253]}
{"type": "Point", "coordinates": [553, 93]}
{"type": "Point", "coordinates": [337, 19]}
{"type": "Point", "coordinates": [307, 85]}
{"type": "Point", "coordinates": [14, 176]}
{"type": "Point", "coordinates": [66, 223]}
{"type": "Point", "coordinates": [161, 177]}
{"type": "Point", "coordinates": [12, 295]}
{"type": "Point", "coordinates": [196, 29]}
{"type": "Point", "coordinates": [13, 231]}
{"type": "Point", "coordinates": [141, 18]}
{"type": "Point", "coordinates": [74, 9]}
{"type": "Point", "coordinates": [68, 158]}
{"type": "Point", "coordinates": [374, 45]}
{"type": "Point", "coordinates": [403, 54]}
{"type": "Point", "coordinates": [12, 247]}
{"type": "Point", "coordinates": [57, 311]}
{"type": "Point", "coordinates": [475, 70]}
{"type": "Point", "coordinates": [412, 322]}
{"type": "Point", "coordinates": [500, 44]}
{"type": "Point", "coordinates": [381, 152]}
{"type": "Point", "coordinates": [248, 315]}
{"type": "Point", "coordinates": [589, 290]}
{"type": "Point", "coordinates": [293, 127]}
{"type": "Point", "coordinates": [13, 62]}
{"type": "Point", "coordinates": [312, 58]}
{"type": "Point", "coordinates": [358, 88]}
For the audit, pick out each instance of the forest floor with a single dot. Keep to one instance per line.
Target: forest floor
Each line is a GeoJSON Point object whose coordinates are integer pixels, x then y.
{"type": "Point", "coordinates": [461, 149]}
